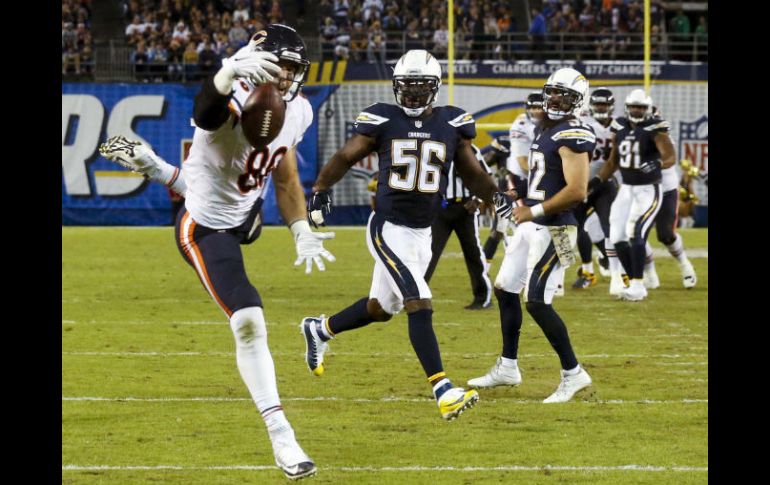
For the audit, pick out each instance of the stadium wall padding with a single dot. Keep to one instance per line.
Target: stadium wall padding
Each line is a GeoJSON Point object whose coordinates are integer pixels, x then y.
{"type": "Point", "coordinates": [98, 192]}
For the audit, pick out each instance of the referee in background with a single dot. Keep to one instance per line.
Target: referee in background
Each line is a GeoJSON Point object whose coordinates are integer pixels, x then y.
{"type": "Point", "coordinates": [460, 213]}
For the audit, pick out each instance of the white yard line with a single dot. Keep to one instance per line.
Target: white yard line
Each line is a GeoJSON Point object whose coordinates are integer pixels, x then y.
{"type": "Point", "coordinates": [365, 400]}
{"type": "Point", "coordinates": [388, 355]}
{"type": "Point", "coordinates": [512, 468]}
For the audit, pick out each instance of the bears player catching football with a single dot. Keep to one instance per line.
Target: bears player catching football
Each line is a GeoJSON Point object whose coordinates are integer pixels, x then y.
{"type": "Point", "coordinates": [224, 180]}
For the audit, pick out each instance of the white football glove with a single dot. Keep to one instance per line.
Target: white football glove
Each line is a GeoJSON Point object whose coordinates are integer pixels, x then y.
{"type": "Point", "coordinates": [310, 246]}
{"type": "Point", "coordinates": [131, 154]}
{"type": "Point", "coordinates": [257, 66]}
{"type": "Point", "coordinates": [138, 157]}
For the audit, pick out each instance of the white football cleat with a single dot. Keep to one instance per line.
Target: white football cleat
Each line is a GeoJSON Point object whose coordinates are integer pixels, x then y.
{"type": "Point", "coordinates": [290, 457]}
{"type": "Point", "coordinates": [603, 264]}
{"type": "Point", "coordinates": [617, 285]}
{"type": "Point", "coordinates": [688, 274]}
{"type": "Point", "coordinates": [498, 375]}
{"type": "Point", "coordinates": [568, 386]}
{"type": "Point", "coordinates": [651, 280]}
{"type": "Point", "coordinates": [635, 291]}
{"type": "Point", "coordinates": [133, 155]}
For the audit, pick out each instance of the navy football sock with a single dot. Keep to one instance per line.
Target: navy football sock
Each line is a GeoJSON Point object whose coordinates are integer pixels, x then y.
{"type": "Point", "coordinates": [624, 255]}
{"type": "Point", "coordinates": [555, 331]}
{"type": "Point", "coordinates": [510, 322]}
{"type": "Point", "coordinates": [584, 246]}
{"type": "Point", "coordinates": [490, 246]}
{"type": "Point", "coordinates": [424, 341]}
{"type": "Point", "coordinates": [354, 316]}
{"type": "Point", "coordinates": [638, 256]}
{"type": "Point", "coordinates": [600, 246]}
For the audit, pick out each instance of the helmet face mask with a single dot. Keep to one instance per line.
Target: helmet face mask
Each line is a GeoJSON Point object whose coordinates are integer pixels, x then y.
{"type": "Point", "coordinates": [415, 93]}
{"type": "Point", "coordinates": [416, 81]}
{"type": "Point", "coordinates": [559, 102]}
{"type": "Point", "coordinates": [563, 93]}
{"type": "Point", "coordinates": [534, 107]}
{"type": "Point", "coordinates": [601, 104]}
{"type": "Point", "coordinates": [638, 112]}
{"type": "Point", "coordinates": [290, 49]}
{"type": "Point", "coordinates": [638, 106]}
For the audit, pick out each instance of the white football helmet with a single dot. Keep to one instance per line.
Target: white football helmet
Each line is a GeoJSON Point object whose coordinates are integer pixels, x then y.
{"type": "Point", "coordinates": [564, 93]}
{"type": "Point", "coordinates": [638, 98]}
{"type": "Point", "coordinates": [416, 79]}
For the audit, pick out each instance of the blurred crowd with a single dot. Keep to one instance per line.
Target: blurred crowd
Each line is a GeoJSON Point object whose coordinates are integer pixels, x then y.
{"type": "Point", "coordinates": [76, 40]}
{"type": "Point", "coordinates": [185, 39]}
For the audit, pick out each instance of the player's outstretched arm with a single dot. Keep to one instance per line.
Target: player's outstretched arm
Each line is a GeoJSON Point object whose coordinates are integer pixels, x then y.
{"type": "Point", "coordinates": [320, 203]}
{"type": "Point", "coordinates": [575, 167]}
{"type": "Point", "coordinates": [351, 153]}
{"type": "Point", "coordinates": [210, 108]}
{"type": "Point", "coordinates": [480, 183]}
{"type": "Point", "coordinates": [666, 148]}
{"type": "Point", "coordinates": [291, 203]}
{"type": "Point", "coordinates": [138, 157]}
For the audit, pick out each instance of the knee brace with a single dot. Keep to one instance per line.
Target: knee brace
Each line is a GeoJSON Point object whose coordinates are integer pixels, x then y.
{"type": "Point", "coordinates": [248, 324]}
{"type": "Point", "coordinates": [376, 311]}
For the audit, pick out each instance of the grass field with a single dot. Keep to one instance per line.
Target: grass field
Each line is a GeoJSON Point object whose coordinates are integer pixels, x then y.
{"type": "Point", "coordinates": [151, 392]}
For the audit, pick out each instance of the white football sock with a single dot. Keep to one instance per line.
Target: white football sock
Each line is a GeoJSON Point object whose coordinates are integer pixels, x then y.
{"type": "Point", "coordinates": [676, 249]}
{"type": "Point", "coordinates": [256, 365]}
{"type": "Point", "coordinates": [506, 362]}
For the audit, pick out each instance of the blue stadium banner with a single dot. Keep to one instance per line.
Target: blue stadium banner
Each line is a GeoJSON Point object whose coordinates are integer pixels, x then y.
{"type": "Point", "coordinates": [96, 191]}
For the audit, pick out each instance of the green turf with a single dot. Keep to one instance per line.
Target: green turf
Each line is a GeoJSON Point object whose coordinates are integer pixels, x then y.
{"type": "Point", "coordinates": [136, 323]}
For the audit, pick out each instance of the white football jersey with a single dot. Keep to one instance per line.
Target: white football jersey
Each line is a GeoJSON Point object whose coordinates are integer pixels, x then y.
{"type": "Point", "coordinates": [522, 134]}
{"type": "Point", "coordinates": [224, 174]}
{"type": "Point", "coordinates": [603, 139]}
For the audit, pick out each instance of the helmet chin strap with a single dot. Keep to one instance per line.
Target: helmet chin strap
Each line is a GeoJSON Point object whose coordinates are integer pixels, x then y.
{"type": "Point", "coordinates": [414, 112]}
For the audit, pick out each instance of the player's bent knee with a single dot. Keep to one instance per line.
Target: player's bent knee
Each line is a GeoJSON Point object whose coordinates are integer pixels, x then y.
{"type": "Point", "coordinates": [248, 324]}
{"type": "Point", "coordinates": [536, 308]}
{"type": "Point", "coordinates": [376, 311]}
{"type": "Point", "coordinates": [417, 305]}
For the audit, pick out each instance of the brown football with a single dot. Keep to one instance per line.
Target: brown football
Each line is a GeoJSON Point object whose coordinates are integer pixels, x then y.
{"type": "Point", "coordinates": [263, 115]}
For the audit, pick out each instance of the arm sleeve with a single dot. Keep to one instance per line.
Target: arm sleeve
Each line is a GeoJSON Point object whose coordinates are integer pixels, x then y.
{"type": "Point", "coordinates": [463, 122]}
{"type": "Point", "coordinates": [370, 121]}
{"type": "Point", "coordinates": [210, 108]}
{"type": "Point", "coordinates": [578, 138]}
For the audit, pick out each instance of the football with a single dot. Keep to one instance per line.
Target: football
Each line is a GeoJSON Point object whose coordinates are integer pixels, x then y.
{"type": "Point", "coordinates": [263, 115]}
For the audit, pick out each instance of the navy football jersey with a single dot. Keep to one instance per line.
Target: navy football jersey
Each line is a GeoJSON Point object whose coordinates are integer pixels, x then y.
{"type": "Point", "coordinates": [546, 176]}
{"type": "Point", "coordinates": [638, 157]}
{"type": "Point", "coordinates": [413, 158]}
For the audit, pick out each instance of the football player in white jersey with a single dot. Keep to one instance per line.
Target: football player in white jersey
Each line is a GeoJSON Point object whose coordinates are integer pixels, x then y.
{"type": "Point", "coordinates": [223, 181]}
{"type": "Point", "coordinates": [521, 134]}
{"type": "Point", "coordinates": [601, 108]}
{"type": "Point", "coordinates": [665, 227]}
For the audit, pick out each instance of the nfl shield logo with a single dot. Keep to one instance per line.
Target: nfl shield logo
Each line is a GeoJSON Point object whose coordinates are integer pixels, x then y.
{"type": "Point", "coordinates": [418, 124]}
{"type": "Point", "coordinates": [694, 142]}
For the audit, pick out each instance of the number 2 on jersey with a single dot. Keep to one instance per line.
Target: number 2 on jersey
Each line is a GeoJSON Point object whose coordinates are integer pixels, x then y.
{"type": "Point", "coordinates": [423, 173]}
{"type": "Point", "coordinates": [536, 173]}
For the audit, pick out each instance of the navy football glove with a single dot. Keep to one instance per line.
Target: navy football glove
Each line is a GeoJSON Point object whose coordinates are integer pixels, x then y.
{"type": "Point", "coordinates": [503, 205]}
{"type": "Point", "coordinates": [593, 184]}
{"type": "Point", "coordinates": [318, 205]}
